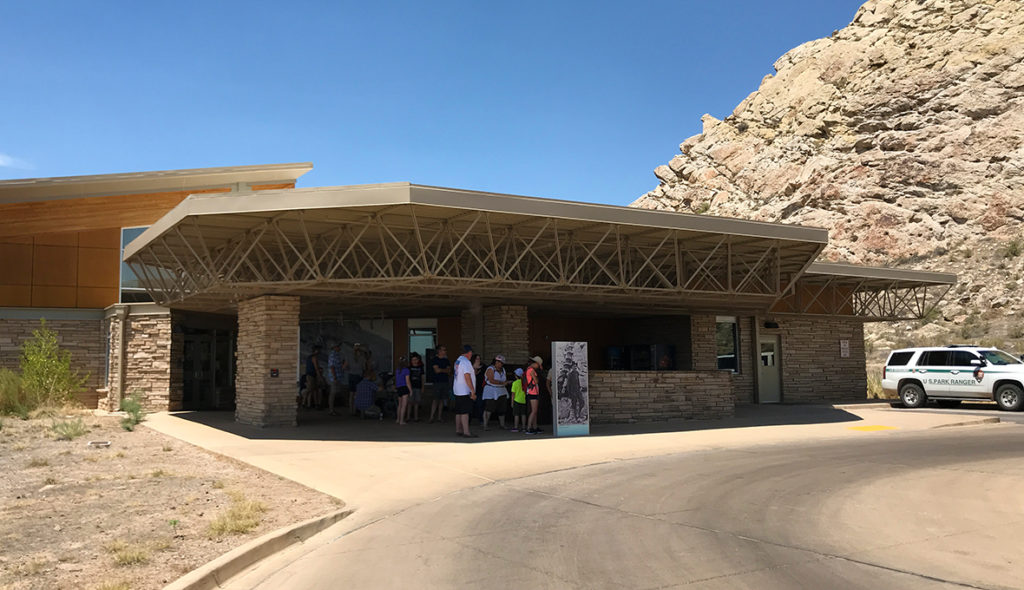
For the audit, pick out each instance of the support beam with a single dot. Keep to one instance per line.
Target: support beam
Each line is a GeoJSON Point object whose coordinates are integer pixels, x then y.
{"type": "Point", "coordinates": [268, 360]}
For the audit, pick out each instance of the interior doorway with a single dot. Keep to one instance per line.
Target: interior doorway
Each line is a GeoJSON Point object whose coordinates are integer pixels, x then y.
{"type": "Point", "coordinates": [423, 337]}
{"type": "Point", "coordinates": [769, 377]}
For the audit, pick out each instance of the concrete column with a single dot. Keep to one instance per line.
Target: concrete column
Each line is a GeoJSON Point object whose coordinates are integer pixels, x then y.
{"type": "Point", "coordinates": [268, 349]}
{"type": "Point", "coordinates": [704, 349]}
{"type": "Point", "coordinates": [506, 330]}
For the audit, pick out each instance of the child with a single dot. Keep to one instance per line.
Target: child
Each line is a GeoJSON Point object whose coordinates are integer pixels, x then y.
{"type": "Point", "coordinates": [518, 402]}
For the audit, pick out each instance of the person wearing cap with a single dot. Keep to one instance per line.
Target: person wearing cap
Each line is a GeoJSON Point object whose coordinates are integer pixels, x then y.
{"type": "Point", "coordinates": [464, 390]}
{"type": "Point", "coordinates": [495, 394]}
{"type": "Point", "coordinates": [518, 403]}
{"type": "Point", "coordinates": [532, 387]}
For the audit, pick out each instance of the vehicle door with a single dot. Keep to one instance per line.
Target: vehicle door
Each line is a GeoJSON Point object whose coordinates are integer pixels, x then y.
{"type": "Point", "coordinates": [934, 372]}
{"type": "Point", "coordinates": [966, 376]}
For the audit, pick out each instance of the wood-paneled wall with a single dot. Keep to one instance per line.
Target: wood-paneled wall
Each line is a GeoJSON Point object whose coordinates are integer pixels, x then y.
{"type": "Point", "coordinates": [66, 252]}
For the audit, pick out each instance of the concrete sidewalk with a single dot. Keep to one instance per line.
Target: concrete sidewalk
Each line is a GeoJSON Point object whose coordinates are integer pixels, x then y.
{"type": "Point", "coordinates": [379, 468]}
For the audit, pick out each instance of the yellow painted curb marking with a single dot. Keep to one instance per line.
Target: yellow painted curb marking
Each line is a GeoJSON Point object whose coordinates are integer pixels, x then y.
{"type": "Point", "coordinates": [873, 428]}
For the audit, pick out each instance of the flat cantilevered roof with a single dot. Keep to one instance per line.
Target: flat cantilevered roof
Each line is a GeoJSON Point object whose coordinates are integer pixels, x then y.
{"type": "Point", "coordinates": [403, 248]}
{"type": "Point", "coordinates": [67, 187]}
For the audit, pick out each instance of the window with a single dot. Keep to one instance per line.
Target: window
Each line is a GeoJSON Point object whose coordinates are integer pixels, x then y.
{"type": "Point", "coordinates": [962, 358]}
{"type": "Point", "coordinates": [998, 357]}
{"type": "Point", "coordinates": [132, 290]}
{"type": "Point", "coordinates": [934, 358]}
{"type": "Point", "coordinates": [899, 359]}
{"type": "Point", "coordinates": [727, 343]}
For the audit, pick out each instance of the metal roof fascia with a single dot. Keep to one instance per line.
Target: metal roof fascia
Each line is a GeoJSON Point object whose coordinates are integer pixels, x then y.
{"type": "Point", "coordinates": [878, 272]}
{"type": "Point", "coordinates": [72, 187]}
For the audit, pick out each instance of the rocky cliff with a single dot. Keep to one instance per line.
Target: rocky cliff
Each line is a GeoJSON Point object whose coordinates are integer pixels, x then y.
{"type": "Point", "coordinates": [903, 134]}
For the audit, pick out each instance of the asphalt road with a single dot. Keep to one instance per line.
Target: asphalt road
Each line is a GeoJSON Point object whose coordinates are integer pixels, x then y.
{"type": "Point", "coordinates": [934, 509]}
{"type": "Point", "coordinates": [973, 409]}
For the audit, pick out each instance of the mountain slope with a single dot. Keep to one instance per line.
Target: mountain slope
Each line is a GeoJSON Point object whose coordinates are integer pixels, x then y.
{"type": "Point", "coordinates": [903, 134]}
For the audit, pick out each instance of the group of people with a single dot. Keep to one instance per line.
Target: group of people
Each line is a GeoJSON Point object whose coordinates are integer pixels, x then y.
{"type": "Point", "coordinates": [465, 387]}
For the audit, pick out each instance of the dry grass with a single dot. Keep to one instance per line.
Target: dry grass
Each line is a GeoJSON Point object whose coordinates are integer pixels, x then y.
{"type": "Point", "coordinates": [50, 481]}
{"type": "Point", "coordinates": [114, 586]}
{"type": "Point", "coordinates": [38, 462]}
{"type": "Point", "coordinates": [31, 567]}
{"type": "Point", "coordinates": [241, 517]}
{"type": "Point", "coordinates": [69, 429]}
{"type": "Point", "coordinates": [160, 473]}
{"type": "Point", "coordinates": [128, 553]}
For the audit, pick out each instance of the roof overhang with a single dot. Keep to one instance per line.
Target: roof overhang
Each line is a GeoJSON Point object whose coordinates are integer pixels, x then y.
{"type": "Point", "coordinates": [409, 249]}
{"type": "Point", "coordinates": [866, 292]}
{"type": "Point", "coordinates": [69, 187]}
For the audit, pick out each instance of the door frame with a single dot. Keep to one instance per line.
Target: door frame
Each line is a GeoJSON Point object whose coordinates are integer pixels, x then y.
{"type": "Point", "coordinates": [778, 364]}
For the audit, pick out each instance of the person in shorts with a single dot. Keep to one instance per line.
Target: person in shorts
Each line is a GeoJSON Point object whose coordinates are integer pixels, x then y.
{"type": "Point", "coordinates": [464, 391]}
{"type": "Point", "coordinates": [412, 413]}
{"type": "Point", "coordinates": [532, 387]}
{"type": "Point", "coordinates": [335, 375]}
{"type": "Point", "coordinates": [403, 387]}
{"type": "Point", "coordinates": [440, 379]}
{"type": "Point", "coordinates": [495, 395]}
{"type": "Point", "coordinates": [518, 403]}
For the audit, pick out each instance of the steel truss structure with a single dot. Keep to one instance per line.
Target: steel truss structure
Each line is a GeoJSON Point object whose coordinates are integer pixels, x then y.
{"type": "Point", "coordinates": [398, 251]}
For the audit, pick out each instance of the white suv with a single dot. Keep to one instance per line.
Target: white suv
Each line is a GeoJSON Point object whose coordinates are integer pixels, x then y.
{"type": "Point", "coordinates": [953, 374]}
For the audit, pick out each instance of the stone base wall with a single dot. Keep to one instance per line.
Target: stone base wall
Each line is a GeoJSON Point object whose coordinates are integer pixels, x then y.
{"type": "Point", "coordinates": [647, 396]}
{"type": "Point", "coordinates": [82, 338]}
{"type": "Point", "coordinates": [743, 380]}
{"type": "Point", "coordinates": [268, 338]}
{"type": "Point", "coordinates": [813, 369]}
{"type": "Point", "coordinates": [507, 332]}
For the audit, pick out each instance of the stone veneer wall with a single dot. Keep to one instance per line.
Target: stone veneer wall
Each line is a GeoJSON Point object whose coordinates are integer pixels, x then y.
{"type": "Point", "coordinates": [507, 332]}
{"type": "Point", "coordinates": [704, 350]}
{"type": "Point", "coordinates": [743, 380]}
{"type": "Point", "coordinates": [268, 338]}
{"type": "Point", "coordinates": [813, 369]}
{"type": "Point", "coordinates": [153, 360]}
{"type": "Point", "coordinates": [647, 396]}
{"type": "Point", "coordinates": [82, 338]}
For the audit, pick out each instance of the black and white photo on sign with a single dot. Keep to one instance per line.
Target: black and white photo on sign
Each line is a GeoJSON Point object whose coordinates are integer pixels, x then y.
{"type": "Point", "coordinates": [570, 367]}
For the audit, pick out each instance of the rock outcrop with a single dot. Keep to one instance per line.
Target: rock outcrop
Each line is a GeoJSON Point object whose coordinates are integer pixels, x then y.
{"type": "Point", "coordinates": [903, 134]}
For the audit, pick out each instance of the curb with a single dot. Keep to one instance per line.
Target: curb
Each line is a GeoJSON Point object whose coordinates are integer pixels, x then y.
{"type": "Point", "coordinates": [993, 420]}
{"type": "Point", "coordinates": [218, 571]}
{"type": "Point", "coordinates": [859, 405]}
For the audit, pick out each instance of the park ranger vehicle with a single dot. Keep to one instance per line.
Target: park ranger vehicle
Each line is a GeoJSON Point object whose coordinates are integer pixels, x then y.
{"type": "Point", "coordinates": [952, 374]}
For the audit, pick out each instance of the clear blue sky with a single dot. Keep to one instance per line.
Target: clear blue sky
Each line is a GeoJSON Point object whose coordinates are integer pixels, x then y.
{"type": "Point", "coordinates": [573, 100]}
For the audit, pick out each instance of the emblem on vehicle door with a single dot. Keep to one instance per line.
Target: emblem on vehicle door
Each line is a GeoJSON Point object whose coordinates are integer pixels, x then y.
{"type": "Point", "coordinates": [979, 374]}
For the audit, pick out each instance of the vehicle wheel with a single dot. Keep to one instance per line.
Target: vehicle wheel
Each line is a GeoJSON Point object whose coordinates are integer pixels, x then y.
{"type": "Point", "coordinates": [948, 403]}
{"type": "Point", "coordinates": [1009, 397]}
{"type": "Point", "coordinates": [912, 396]}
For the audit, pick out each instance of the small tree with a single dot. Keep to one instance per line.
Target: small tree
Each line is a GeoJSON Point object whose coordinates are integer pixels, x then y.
{"type": "Point", "coordinates": [46, 372]}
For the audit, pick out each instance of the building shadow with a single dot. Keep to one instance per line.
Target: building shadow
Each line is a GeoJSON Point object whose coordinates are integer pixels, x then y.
{"type": "Point", "coordinates": [318, 425]}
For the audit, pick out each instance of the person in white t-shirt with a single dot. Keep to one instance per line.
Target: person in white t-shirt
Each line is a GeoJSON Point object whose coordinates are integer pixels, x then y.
{"type": "Point", "coordinates": [464, 388]}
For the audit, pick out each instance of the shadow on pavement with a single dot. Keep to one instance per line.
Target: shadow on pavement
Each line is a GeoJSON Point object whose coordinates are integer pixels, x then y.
{"type": "Point", "coordinates": [315, 425]}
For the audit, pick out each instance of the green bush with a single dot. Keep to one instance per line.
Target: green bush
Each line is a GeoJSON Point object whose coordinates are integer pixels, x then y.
{"type": "Point", "coordinates": [46, 373]}
{"type": "Point", "coordinates": [132, 405]}
{"type": "Point", "coordinates": [69, 429]}
{"type": "Point", "coordinates": [13, 399]}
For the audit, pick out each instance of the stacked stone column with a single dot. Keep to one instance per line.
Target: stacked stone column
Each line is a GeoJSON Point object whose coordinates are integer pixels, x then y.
{"type": "Point", "coordinates": [705, 348]}
{"type": "Point", "coordinates": [268, 340]}
{"type": "Point", "coordinates": [507, 332]}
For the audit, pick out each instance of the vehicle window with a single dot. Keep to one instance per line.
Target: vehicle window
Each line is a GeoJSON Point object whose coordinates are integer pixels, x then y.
{"type": "Point", "coordinates": [899, 359]}
{"type": "Point", "coordinates": [962, 358]}
{"type": "Point", "coordinates": [998, 357]}
{"type": "Point", "coordinates": [935, 358]}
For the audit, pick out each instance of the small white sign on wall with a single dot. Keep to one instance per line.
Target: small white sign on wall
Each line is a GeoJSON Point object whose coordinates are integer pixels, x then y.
{"type": "Point", "coordinates": [844, 348]}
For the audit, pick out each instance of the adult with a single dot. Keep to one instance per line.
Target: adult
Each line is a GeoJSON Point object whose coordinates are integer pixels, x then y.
{"type": "Point", "coordinates": [416, 383]}
{"type": "Point", "coordinates": [366, 391]}
{"type": "Point", "coordinates": [440, 374]}
{"type": "Point", "coordinates": [403, 385]}
{"type": "Point", "coordinates": [314, 375]}
{"type": "Point", "coordinates": [518, 403]}
{"type": "Point", "coordinates": [495, 394]}
{"type": "Point", "coordinates": [464, 390]}
{"type": "Point", "coordinates": [478, 404]}
{"type": "Point", "coordinates": [335, 374]}
{"type": "Point", "coordinates": [355, 375]}
{"type": "Point", "coordinates": [532, 387]}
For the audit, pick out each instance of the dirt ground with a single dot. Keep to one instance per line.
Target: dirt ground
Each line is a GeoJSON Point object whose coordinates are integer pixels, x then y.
{"type": "Point", "coordinates": [136, 514]}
